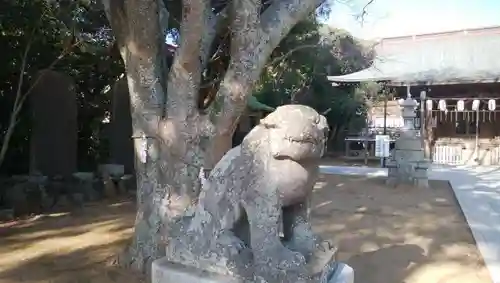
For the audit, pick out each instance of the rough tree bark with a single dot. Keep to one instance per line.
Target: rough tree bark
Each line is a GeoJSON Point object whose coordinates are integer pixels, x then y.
{"type": "Point", "coordinates": [172, 137]}
{"type": "Point", "coordinates": [254, 39]}
{"type": "Point", "coordinates": [137, 30]}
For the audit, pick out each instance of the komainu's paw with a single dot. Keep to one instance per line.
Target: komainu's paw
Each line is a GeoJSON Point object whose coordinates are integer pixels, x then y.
{"type": "Point", "coordinates": [303, 240]}
{"type": "Point", "coordinates": [324, 245]}
{"type": "Point", "coordinates": [228, 241]}
{"type": "Point", "coordinates": [282, 258]}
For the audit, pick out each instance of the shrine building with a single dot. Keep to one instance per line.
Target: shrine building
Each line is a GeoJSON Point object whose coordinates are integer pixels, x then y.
{"type": "Point", "coordinates": [455, 78]}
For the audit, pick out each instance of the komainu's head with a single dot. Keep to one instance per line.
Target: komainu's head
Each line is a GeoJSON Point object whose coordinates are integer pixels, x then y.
{"type": "Point", "coordinates": [296, 131]}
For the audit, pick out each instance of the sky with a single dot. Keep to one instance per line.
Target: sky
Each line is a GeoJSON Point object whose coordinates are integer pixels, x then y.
{"type": "Point", "coordinates": [388, 18]}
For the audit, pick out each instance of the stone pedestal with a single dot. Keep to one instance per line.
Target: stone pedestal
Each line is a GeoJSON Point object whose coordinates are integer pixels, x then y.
{"type": "Point", "coordinates": [114, 179]}
{"type": "Point", "coordinates": [408, 164]}
{"type": "Point", "coordinates": [126, 183]}
{"type": "Point", "coordinates": [165, 271]}
{"type": "Point", "coordinates": [113, 170]}
{"type": "Point", "coordinates": [86, 182]}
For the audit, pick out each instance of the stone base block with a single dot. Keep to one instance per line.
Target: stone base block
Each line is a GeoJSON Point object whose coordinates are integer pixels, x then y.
{"type": "Point", "coordinates": [165, 271]}
{"type": "Point", "coordinates": [409, 144]}
{"type": "Point", "coordinates": [391, 181]}
{"type": "Point", "coordinates": [422, 183]}
{"type": "Point", "coordinates": [343, 274]}
{"type": "Point", "coordinates": [394, 181]}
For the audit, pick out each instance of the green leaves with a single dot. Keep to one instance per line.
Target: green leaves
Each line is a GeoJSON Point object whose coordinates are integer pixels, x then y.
{"type": "Point", "coordinates": [79, 30]}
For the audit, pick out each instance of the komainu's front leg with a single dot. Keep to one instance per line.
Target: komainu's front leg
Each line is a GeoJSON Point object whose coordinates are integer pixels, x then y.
{"type": "Point", "coordinates": [298, 232]}
{"type": "Point", "coordinates": [264, 211]}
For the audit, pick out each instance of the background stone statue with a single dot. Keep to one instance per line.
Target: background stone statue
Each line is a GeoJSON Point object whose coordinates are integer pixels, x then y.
{"type": "Point", "coordinates": [256, 189]}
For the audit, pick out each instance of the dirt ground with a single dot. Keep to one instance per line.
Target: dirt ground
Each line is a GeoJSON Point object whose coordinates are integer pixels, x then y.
{"type": "Point", "coordinates": [389, 235]}
{"type": "Point", "coordinates": [68, 248]}
{"type": "Point", "coordinates": [396, 235]}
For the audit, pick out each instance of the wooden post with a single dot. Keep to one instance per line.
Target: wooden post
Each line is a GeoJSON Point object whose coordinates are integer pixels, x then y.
{"type": "Point", "coordinates": [477, 136]}
{"type": "Point", "coordinates": [347, 148]}
{"type": "Point", "coordinates": [385, 114]}
{"type": "Point", "coordinates": [423, 124]}
{"type": "Point", "coordinates": [385, 125]}
{"type": "Point", "coordinates": [365, 145]}
{"type": "Point", "coordinates": [429, 133]}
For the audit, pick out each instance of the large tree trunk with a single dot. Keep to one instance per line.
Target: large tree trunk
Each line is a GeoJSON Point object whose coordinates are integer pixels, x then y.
{"type": "Point", "coordinates": [141, 45]}
{"type": "Point", "coordinates": [171, 137]}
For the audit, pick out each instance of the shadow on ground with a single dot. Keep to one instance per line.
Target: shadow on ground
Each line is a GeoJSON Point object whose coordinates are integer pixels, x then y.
{"type": "Point", "coordinates": [389, 235]}
{"type": "Point", "coordinates": [68, 247]}
{"type": "Point", "coordinates": [395, 235]}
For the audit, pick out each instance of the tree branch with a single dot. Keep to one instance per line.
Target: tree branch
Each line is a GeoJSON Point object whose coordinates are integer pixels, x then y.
{"type": "Point", "coordinates": [163, 17]}
{"type": "Point", "coordinates": [286, 55]}
{"type": "Point", "coordinates": [196, 16]}
{"type": "Point", "coordinates": [363, 13]}
{"type": "Point", "coordinates": [65, 52]}
{"type": "Point", "coordinates": [21, 97]}
{"type": "Point", "coordinates": [18, 100]}
{"type": "Point", "coordinates": [240, 75]}
{"type": "Point", "coordinates": [215, 23]}
{"type": "Point", "coordinates": [278, 20]}
{"type": "Point", "coordinates": [115, 12]}
{"type": "Point", "coordinates": [244, 27]}
{"type": "Point", "coordinates": [253, 40]}
{"type": "Point", "coordinates": [185, 74]}
{"type": "Point", "coordinates": [254, 37]}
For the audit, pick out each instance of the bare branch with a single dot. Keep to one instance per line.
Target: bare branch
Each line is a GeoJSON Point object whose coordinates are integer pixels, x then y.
{"type": "Point", "coordinates": [18, 99]}
{"type": "Point", "coordinates": [63, 54]}
{"type": "Point", "coordinates": [286, 55]}
{"type": "Point", "coordinates": [364, 12]}
{"type": "Point", "coordinates": [21, 97]}
{"type": "Point", "coordinates": [23, 69]}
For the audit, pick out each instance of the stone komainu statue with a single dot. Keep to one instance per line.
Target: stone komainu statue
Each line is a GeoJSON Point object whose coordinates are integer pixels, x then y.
{"type": "Point", "coordinates": [252, 218]}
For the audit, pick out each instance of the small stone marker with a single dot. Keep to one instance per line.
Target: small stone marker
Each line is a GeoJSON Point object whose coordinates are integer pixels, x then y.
{"type": "Point", "coordinates": [54, 135]}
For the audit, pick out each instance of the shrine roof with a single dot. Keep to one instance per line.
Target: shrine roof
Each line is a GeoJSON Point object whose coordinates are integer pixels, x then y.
{"type": "Point", "coordinates": [457, 57]}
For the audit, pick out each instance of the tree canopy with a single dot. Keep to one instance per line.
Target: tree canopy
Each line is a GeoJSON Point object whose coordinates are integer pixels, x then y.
{"type": "Point", "coordinates": [74, 37]}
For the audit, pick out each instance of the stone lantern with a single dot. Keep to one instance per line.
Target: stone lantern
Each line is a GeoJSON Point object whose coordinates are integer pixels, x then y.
{"type": "Point", "coordinates": [407, 163]}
